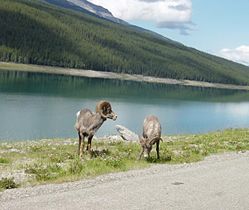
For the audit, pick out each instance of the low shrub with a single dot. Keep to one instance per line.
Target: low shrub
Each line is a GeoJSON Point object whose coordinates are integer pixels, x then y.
{"type": "Point", "coordinates": [8, 183]}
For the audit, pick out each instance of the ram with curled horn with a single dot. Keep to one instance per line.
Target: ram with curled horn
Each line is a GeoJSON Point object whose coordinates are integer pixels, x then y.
{"type": "Point", "coordinates": [88, 123]}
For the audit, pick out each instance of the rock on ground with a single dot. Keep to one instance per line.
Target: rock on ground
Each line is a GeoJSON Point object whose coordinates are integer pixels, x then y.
{"type": "Point", "coordinates": [126, 134]}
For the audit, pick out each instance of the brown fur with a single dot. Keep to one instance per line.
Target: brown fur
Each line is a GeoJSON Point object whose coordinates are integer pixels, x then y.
{"type": "Point", "coordinates": [151, 135]}
{"type": "Point", "coordinates": [88, 123]}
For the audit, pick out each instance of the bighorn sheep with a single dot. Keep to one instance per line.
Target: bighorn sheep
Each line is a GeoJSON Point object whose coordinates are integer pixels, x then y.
{"type": "Point", "coordinates": [151, 135]}
{"type": "Point", "coordinates": [87, 123]}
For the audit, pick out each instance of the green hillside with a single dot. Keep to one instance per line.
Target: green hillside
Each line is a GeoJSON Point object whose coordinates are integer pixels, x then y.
{"type": "Point", "coordinates": [35, 32]}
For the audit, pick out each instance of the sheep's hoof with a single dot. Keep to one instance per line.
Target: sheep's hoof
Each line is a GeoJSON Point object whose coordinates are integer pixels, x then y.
{"type": "Point", "coordinates": [81, 156]}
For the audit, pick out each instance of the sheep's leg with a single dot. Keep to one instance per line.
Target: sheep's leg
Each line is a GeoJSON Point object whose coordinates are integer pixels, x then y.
{"type": "Point", "coordinates": [89, 144]}
{"type": "Point", "coordinates": [82, 145]}
{"type": "Point", "coordinates": [157, 149]}
{"type": "Point", "coordinates": [79, 143]}
{"type": "Point", "coordinates": [142, 152]}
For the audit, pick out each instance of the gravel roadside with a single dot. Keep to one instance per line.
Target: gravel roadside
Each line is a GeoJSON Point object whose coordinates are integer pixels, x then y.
{"type": "Point", "coordinates": [218, 182]}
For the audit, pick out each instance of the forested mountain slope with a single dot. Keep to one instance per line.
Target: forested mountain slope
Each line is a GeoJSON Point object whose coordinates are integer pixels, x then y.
{"type": "Point", "coordinates": [32, 31]}
{"type": "Point", "coordinates": [87, 7]}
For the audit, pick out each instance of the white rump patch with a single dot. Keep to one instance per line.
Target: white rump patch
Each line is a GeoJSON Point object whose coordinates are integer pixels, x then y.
{"type": "Point", "coordinates": [78, 114]}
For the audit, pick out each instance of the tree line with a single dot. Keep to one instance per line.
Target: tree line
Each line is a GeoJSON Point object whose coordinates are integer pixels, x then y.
{"type": "Point", "coordinates": [34, 32]}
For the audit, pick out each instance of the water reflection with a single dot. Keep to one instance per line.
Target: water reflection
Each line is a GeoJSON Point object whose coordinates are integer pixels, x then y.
{"type": "Point", "coordinates": [66, 86]}
{"type": "Point", "coordinates": [34, 106]}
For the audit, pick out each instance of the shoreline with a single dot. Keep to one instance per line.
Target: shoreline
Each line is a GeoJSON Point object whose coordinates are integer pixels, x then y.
{"type": "Point", "coordinates": [50, 161]}
{"type": "Point", "coordinates": [112, 75]}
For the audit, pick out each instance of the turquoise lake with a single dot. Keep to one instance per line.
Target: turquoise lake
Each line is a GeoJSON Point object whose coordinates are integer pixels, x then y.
{"type": "Point", "coordinates": [36, 106]}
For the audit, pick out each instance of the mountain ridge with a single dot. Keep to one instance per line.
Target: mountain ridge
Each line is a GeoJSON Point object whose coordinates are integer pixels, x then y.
{"type": "Point", "coordinates": [72, 4]}
{"type": "Point", "coordinates": [34, 32]}
{"type": "Point", "coordinates": [86, 6]}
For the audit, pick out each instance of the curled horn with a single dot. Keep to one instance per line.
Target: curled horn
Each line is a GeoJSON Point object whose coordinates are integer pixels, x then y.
{"type": "Point", "coordinates": [101, 106]}
{"type": "Point", "coordinates": [154, 140]}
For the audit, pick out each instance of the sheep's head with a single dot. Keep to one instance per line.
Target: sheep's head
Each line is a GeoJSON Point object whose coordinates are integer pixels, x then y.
{"type": "Point", "coordinates": [146, 146]}
{"type": "Point", "coordinates": [105, 110]}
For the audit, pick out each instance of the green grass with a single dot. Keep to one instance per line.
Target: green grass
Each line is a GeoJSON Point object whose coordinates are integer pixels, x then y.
{"type": "Point", "coordinates": [56, 160]}
{"type": "Point", "coordinates": [4, 161]}
{"type": "Point", "coordinates": [7, 183]}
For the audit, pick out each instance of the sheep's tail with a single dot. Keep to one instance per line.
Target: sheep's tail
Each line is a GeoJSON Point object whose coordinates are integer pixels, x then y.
{"type": "Point", "coordinates": [78, 114]}
{"type": "Point", "coordinates": [76, 126]}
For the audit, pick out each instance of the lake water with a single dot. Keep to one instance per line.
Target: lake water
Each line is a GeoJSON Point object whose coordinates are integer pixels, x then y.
{"type": "Point", "coordinates": [35, 106]}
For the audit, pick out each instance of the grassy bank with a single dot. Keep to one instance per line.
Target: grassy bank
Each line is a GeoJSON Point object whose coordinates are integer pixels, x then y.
{"type": "Point", "coordinates": [55, 160]}
{"type": "Point", "coordinates": [112, 75]}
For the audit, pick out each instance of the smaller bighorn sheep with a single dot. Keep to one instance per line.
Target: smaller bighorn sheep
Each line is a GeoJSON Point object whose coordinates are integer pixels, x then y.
{"type": "Point", "coordinates": [87, 123]}
{"type": "Point", "coordinates": [151, 135]}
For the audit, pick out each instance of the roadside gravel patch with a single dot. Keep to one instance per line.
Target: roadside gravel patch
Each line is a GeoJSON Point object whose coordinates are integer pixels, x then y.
{"type": "Point", "coordinates": [154, 170]}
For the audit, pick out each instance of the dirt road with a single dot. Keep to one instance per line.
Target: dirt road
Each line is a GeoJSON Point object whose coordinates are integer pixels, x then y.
{"type": "Point", "coordinates": [219, 182]}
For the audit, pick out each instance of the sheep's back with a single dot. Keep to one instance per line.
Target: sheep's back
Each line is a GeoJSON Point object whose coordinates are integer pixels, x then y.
{"type": "Point", "coordinates": [83, 119]}
{"type": "Point", "coordinates": [151, 127]}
